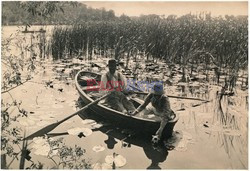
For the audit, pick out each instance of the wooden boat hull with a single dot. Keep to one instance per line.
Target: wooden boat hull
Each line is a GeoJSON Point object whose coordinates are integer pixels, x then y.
{"type": "Point", "coordinates": [144, 126]}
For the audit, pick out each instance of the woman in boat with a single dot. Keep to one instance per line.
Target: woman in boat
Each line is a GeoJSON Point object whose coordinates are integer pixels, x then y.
{"type": "Point", "coordinates": [160, 107]}
{"type": "Point", "coordinates": [115, 82]}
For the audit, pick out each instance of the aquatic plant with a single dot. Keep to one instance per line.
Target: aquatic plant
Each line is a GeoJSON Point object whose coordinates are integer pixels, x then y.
{"type": "Point", "coordinates": [219, 43]}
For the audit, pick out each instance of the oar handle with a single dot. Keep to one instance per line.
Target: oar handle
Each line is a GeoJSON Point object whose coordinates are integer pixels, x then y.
{"type": "Point", "coordinates": [82, 109]}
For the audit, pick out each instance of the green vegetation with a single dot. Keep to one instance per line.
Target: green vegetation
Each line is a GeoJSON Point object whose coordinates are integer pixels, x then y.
{"type": "Point", "coordinates": [50, 13]}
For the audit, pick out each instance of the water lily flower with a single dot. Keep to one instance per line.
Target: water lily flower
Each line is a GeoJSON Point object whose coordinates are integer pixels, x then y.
{"type": "Point", "coordinates": [116, 160]}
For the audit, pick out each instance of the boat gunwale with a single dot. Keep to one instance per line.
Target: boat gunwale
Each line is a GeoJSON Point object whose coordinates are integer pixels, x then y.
{"type": "Point", "coordinates": [79, 88]}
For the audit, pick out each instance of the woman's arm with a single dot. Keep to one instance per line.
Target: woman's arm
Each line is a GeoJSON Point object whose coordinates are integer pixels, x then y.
{"type": "Point", "coordinates": [143, 106]}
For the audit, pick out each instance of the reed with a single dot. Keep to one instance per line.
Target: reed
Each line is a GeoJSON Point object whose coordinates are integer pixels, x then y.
{"type": "Point", "coordinates": [219, 43]}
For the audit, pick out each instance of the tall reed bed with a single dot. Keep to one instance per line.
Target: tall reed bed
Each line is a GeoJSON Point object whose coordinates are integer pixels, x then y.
{"type": "Point", "coordinates": [196, 39]}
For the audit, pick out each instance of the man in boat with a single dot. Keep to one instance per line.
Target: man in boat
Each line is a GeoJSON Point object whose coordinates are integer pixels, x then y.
{"type": "Point", "coordinates": [115, 82]}
{"type": "Point", "coordinates": [160, 107]}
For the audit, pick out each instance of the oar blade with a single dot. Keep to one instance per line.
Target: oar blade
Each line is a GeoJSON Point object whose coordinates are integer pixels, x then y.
{"type": "Point", "coordinates": [42, 131]}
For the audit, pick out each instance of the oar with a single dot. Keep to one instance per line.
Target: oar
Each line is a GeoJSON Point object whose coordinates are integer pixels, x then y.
{"type": "Point", "coordinates": [50, 127]}
{"type": "Point", "coordinates": [170, 96]}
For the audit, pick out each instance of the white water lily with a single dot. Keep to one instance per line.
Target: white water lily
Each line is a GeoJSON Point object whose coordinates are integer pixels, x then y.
{"type": "Point", "coordinates": [98, 148]}
{"type": "Point", "coordinates": [117, 159]}
{"type": "Point", "coordinates": [76, 131]}
{"type": "Point", "coordinates": [101, 166]}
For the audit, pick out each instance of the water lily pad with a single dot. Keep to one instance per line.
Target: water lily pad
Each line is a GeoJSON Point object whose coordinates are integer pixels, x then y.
{"type": "Point", "coordinates": [76, 131]}
{"type": "Point", "coordinates": [43, 150]}
{"type": "Point", "coordinates": [101, 166]}
{"type": "Point", "coordinates": [98, 148]}
{"type": "Point", "coordinates": [39, 140]}
{"type": "Point", "coordinates": [117, 159]}
{"type": "Point", "coordinates": [41, 146]}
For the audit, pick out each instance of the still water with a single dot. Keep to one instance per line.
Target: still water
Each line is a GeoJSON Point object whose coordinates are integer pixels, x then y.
{"type": "Point", "coordinates": [199, 140]}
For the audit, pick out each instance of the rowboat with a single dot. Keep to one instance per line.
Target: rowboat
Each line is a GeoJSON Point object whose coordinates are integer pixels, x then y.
{"type": "Point", "coordinates": [142, 124]}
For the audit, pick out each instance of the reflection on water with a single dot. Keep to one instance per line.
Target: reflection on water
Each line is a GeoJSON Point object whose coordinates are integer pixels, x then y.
{"type": "Point", "coordinates": [155, 153]}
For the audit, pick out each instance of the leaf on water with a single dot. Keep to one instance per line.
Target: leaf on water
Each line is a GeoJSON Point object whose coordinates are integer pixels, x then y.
{"type": "Point", "coordinates": [88, 121]}
{"type": "Point", "coordinates": [103, 166]}
{"type": "Point", "coordinates": [98, 148]}
{"type": "Point", "coordinates": [77, 131]}
{"type": "Point", "coordinates": [117, 159]}
{"type": "Point", "coordinates": [41, 146]}
{"type": "Point", "coordinates": [43, 150]}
